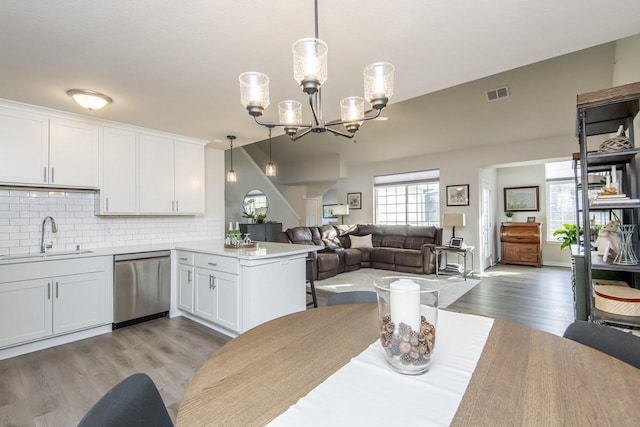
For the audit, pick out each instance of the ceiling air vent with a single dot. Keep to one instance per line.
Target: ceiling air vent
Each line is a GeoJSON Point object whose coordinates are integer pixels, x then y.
{"type": "Point", "coordinates": [499, 93]}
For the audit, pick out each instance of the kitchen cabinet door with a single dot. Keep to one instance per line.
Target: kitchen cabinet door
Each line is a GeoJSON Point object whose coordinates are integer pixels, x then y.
{"type": "Point", "coordinates": [118, 172]}
{"type": "Point", "coordinates": [24, 144]}
{"type": "Point", "coordinates": [155, 174]}
{"type": "Point", "coordinates": [204, 304]}
{"type": "Point", "coordinates": [26, 306]}
{"type": "Point", "coordinates": [74, 148]}
{"type": "Point", "coordinates": [189, 177]}
{"type": "Point", "coordinates": [78, 302]}
{"type": "Point", "coordinates": [227, 300]}
{"type": "Point", "coordinates": [185, 288]}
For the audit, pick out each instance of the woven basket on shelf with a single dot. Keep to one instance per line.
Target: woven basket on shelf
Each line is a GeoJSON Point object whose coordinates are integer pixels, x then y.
{"type": "Point", "coordinates": [616, 143]}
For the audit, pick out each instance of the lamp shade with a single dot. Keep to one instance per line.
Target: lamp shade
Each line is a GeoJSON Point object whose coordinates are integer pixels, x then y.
{"type": "Point", "coordinates": [341, 210]}
{"type": "Point", "coordinates": [310, 60]}
{"type": "Point", "coordinates": [378, 83]}
{"type": "Point", "coordinates": [454, 220]}
{"type": "Point", "coordinates": [254, 90]}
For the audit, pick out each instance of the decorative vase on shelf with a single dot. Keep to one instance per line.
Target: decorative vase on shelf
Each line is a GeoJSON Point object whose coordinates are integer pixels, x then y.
{"type": "Point", "coordinates": [626, 256]}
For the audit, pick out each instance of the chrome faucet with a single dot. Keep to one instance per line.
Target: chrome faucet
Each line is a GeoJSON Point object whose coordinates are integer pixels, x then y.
{"type": "Point", "coordinates": [54, 229]}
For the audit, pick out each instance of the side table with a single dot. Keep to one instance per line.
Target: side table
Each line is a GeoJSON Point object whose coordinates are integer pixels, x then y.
{"type": "Point", "coordinates": [463, 252]}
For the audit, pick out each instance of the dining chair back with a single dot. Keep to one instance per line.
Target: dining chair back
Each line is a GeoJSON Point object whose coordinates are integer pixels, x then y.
{"type": "Point", "coordinates": [621, 345]}
{"type": "Point", "coordinates": [353, 297]}
{"type": "Point", "coordinates": [135, 401]}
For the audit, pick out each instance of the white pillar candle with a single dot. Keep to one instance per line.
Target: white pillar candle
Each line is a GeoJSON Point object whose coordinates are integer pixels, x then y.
{"type": "Point", "coordinates": [405, 303]}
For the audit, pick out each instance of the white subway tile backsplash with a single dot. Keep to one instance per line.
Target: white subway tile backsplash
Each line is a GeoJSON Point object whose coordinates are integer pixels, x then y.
{"type": "Point", "coordinates": [22, 213]}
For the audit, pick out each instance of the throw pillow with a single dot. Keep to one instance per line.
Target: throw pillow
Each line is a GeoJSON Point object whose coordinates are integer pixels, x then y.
{"type": "Point", "coordinates": [361, 241]}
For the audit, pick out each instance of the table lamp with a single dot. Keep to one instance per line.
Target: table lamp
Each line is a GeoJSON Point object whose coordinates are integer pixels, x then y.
{"type": "Point", "coordinates": [341, 211]}
{"type": "Point", "coordinates": [454, 220]}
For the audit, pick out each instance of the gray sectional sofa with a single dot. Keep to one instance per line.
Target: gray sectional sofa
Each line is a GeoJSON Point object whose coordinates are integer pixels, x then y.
{"type": "Point", "coordinates": [401, 248]}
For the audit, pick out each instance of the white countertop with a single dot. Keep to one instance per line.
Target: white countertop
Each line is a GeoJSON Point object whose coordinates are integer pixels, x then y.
{"type": "Point", "coordinates": [215, 247]}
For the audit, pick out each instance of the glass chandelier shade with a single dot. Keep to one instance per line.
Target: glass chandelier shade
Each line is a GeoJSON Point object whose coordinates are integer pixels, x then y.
{"type": "Point", "coordinates": [232, 176]}
{"type": "Point", "coordinates": [352, 112]}
{"type": "Point", "coordinates": [310, 63]}
{"type": "Point", "coordinates": [378, 83]}
{"type": "Point", "coordinates": [254, 91]}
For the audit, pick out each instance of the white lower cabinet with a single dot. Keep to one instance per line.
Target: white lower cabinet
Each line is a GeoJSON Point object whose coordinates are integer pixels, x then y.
{"type": "Point", "coordinates": [217, 297]}
{"type": "Point", "coordinates": [49, 298]}
{"type": "Point", "coordinates": [185, 287]}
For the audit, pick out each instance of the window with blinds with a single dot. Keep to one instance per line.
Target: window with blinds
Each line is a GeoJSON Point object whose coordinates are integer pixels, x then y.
{"type": "Point", "coordinates": [409, 198]}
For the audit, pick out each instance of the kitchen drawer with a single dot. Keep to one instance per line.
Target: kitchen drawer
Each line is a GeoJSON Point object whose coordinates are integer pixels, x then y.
{"type": "Point", "coordinates": [528, 249]}
{"type": "Point", "coordinates": [185, 257]}
{"type": "Point", "coordinates": [217, 262]}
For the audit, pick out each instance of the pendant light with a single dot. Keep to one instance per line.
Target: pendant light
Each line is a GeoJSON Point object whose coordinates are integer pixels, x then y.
{"type": "Point", "coordinates": [270, 170]}
{"type": "Point", "coordinates": [231, 175]}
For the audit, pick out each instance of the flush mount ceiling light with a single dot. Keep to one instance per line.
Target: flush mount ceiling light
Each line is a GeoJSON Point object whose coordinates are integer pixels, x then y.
{"type": "Point", "coordinates": [89, 99]}
{"type": "Point", "coordinates": [270, 170]}
{"type": "Point", "coordinates": [310, 71]}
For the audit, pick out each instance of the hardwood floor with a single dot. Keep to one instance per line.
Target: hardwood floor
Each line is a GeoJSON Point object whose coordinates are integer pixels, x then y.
{"type": "Point", "coordinates": [541, 298]}
{"type": "Point", "coordinates": [57, 386]}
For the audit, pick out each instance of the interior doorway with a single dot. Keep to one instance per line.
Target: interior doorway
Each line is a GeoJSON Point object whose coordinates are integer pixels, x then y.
{"type": "Point", "coordinates": [486, 226]}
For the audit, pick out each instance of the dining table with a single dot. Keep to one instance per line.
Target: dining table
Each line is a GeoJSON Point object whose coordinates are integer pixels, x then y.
{"type": "Point", "coordinates": [522, 376]}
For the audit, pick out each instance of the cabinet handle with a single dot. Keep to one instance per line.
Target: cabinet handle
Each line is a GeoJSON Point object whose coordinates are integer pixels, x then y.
{"type": "Point", "coordinates": [214, 281]}
{"type": "Point", "coordinates": [48, 290]}
{"type": "Point", "coordinates": [53, 175]}
{"type": "Point", "coordinates": [177, 205]}
{"type": "Point", "coordinates": [183, 258]}
{"type": "Point", "coordinates": [211, 281]}
{"type": "Point", "coordinates": [106, 208]}
{"type": "Point", "coordinates": [44, 170]}
{"type": "Point", "coordinates": [173, 206]}
{"type": "Point", "coordinates": [213, 263]}
{"type": "Point", "coordinates": [56, 289]}
{"type": "Point", "coordinates": [189, 276]}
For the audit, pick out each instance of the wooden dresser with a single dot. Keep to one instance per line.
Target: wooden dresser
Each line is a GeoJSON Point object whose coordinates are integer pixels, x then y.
{"type": "Point", "coordinates": [521, 243]}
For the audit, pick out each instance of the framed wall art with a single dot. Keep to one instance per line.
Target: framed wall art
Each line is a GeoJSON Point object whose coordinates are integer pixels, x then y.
{"type": "Point", "coordinates": [354, 200]}
{"type": "Point", "coordinates": [327, 212]}
{"type": "Point", "coordinates": [458, 195]}
{"type": "Point", "coordinates": [522, 199]}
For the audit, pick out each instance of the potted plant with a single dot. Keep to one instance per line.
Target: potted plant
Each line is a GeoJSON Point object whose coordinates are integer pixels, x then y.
{"type": "Point", "coordinates": [508, 214]}
{"type": "Point", "coordinates": [568, 235]}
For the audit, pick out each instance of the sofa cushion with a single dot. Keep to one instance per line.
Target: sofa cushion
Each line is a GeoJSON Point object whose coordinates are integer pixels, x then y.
{"type": "Point", "coordinates": [408, 257]}
{"type": "Point", "coordinates": [300, 235]}
{"type": "Point", "coordinates": [361, 241]}
{"type": "Point", "coordinates": [396, 230]}
{"type": "Point", "coordinates": [376, 231]}
{"type": "Point", "coordinates": [428, 232]}
{"type": "Point", "coordinates": [416, 242]}
{"type": "Point", "coordinates": [393, 242]}
{"type": "Point", "coordinates": [383, 255]}
{"type": "Point", "coordinates": [329, 236]}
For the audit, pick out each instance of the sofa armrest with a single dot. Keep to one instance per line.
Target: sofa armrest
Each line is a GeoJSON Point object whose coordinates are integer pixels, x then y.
{"type": "Point", "coordinates": [429, 258]}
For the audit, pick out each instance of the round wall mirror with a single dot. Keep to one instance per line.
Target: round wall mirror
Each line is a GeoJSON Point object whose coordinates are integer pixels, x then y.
{"type": "Point", "coordinates": [255, 205]}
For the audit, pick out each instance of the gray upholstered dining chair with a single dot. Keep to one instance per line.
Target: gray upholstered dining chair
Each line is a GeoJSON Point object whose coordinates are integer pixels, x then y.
{"type": "Point", "coordinates": [353, 297]}
{"type": "Point", "coordinates": [135, 401]}
{"type": "Point", "coordinates": [621, 345]}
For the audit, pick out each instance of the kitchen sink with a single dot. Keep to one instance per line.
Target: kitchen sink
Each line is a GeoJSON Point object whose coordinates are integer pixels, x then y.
{"type": "Point", "coordinates": [51, 254]}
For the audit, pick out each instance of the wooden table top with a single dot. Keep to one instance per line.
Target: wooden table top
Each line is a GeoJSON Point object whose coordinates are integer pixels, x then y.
{"type": "Point", "coordinates": [524, 376]}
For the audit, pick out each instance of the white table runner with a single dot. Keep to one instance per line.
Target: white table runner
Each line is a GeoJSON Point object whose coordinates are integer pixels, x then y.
{"type": "Point", "coordinates": [366, 391]}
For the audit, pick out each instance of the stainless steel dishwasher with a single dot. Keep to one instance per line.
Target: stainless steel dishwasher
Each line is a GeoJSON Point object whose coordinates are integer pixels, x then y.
{"type": "Point", "coordinates": [142, 287]}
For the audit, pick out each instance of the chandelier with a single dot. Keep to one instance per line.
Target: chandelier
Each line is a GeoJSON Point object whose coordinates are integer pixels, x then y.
{"type": "Point", "coordinates": [310, 71]}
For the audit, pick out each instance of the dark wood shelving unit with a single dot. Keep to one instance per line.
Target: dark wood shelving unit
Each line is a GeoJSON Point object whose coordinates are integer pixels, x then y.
{"type": "Point", "coordinates": [600, 113]}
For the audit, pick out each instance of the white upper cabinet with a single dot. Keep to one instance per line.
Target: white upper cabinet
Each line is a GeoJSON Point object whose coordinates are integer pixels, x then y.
{"type": "Point", "coordinates": [118, 172]}
{"type": "Point", "coordinates": [170, 176]}
{"type": "Point", "coordinates": [73, 153]}
{"type": "Point", "coordinates": [38, 150]}
{"type": "Point", "coordinates": [189, 177]}
{"type": "Point", "coordinates": [155, 173]}
{"type": "Point", "coordinates": [24, 147]}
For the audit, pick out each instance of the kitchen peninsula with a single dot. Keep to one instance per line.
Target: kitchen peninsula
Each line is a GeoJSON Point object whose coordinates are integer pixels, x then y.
{"type": "Point", "coordinates": [230, 290]}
